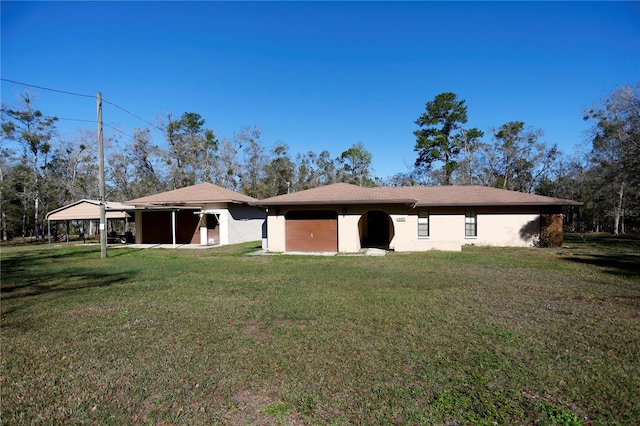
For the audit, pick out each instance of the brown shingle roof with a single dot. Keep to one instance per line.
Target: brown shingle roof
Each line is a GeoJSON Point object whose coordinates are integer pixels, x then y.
{"type": "Point", "coordinates": [200, 194]}
{"type": "Point", "coordinates": [341, 193]}
{"type": "Point", "coordinates": [344, 193]}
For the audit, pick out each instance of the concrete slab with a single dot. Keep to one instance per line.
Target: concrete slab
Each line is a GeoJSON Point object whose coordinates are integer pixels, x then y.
{"type": "Point", "coordinates": [364, 252]}
{"type": "Point", "coordinates": [375, 252]}
{"type": "Point", "coordinates": [163, 246]}
{"type": "Point", "coordinates": [311, 253]}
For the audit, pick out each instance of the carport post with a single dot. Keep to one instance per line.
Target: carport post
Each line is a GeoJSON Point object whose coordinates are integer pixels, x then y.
{"type": "Point", "coordinates": [49, 230]}
{"type": "Point", "coordinates": [173, 227]}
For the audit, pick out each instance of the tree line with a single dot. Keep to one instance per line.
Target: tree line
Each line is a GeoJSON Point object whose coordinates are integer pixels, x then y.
{"type": "Point", "coordinates": [41, 170]}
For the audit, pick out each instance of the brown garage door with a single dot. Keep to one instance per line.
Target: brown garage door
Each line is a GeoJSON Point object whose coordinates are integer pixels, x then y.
{"type": "Point", "coordinates": [315, 230]}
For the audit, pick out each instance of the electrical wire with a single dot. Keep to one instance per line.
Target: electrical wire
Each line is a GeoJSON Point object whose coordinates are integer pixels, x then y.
{"type": "Point", "coordinates": [47, 88]}
{"type": "Point", "coordinates": [132, 114]}
{"type": "Point", "coordinates": [85, 96]}
{"type": "Point", "coordinates": [71, 119]}
{"type": "Point", "coordinates": [118, 130]}
{"type": "Point", "coordinates": [93, 122]}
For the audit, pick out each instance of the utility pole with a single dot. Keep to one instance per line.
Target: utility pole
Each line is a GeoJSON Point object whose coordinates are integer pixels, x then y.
{"type": "Point", "coordinates": [103, 210]}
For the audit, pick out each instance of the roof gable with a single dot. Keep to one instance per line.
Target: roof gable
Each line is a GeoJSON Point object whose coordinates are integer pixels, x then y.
{"type": "Point", "coordinates": [203, 193]}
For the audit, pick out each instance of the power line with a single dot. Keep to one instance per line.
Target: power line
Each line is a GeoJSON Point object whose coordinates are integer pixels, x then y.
{"type": "Point", "coordinates": [118, 130]}
{"type": "Point", "coordinates": [85, 96]}
{"type": "Point", "coordinates": [91, 121]}
{"type": "Point", "coordinates": [71, 119]}
{"type": "Point", "coordinates": [132, 114]}
{"type": "Point", "coordinates": [47, 88]}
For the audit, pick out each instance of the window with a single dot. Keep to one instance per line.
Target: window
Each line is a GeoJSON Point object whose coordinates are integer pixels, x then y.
{"type": "Point", "coordinates": [470, 223]}
{"type": "Point", "coordinates": [423, 224]}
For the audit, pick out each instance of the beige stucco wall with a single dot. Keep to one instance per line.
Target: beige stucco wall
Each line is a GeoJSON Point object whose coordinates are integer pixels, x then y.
{"type": "Point", "coordinates": [509, 226]}
{"type": "Point", "coordinates": [446, 231]}
{"type": "Point", "coordinates": [276, 238]}
{"type": "Point", "coordinates": [507, 229]}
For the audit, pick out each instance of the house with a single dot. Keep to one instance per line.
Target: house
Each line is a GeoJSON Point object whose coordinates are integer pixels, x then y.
{"type": "Point", "coordinates": [198, 214]}
{"type": "Point", "coordinates": [347, 218]}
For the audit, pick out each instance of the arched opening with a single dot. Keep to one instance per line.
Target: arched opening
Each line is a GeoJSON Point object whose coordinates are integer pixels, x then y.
{"type": "Point", "coordinates": [376, 229]}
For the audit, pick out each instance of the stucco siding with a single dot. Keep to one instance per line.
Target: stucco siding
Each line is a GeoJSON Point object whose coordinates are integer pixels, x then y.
{"type": "Point", "coordinates": [516, 227]}
{"type": "Point", "coordinates": [276, 232]}
{"type": "Point", "coordinates": [245, 224]}
{"type": "Point", "coordinates": [237, 223]}
{"type": "Point", "coordinates": [348, 233]}
{"type": "Point", "coordinates": [507, 229]}
{"type": "Point", "coordinates": [446, 231]}
{"type": "Point", "coordinates": [507, 226]}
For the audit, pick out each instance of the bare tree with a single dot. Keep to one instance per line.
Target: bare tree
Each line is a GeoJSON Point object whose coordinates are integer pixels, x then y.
{"type": "Point", "coordinates": [33, 131]}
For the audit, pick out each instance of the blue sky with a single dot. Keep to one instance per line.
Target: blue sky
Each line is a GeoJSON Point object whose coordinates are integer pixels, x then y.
{"type": "Point", "coordinates": [323, 75]}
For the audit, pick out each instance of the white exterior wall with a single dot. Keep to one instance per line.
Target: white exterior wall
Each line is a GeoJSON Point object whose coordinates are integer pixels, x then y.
{"type": "Point", "coordinates": [245, 224]}
{"type": "Point", "coordinates": [238, 223]}
{"type": "Point", "coordinates": [513, 226]}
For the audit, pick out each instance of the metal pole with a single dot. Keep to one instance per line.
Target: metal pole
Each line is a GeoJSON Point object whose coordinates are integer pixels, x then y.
{"type": "Point", "coordinates": [103, 212]}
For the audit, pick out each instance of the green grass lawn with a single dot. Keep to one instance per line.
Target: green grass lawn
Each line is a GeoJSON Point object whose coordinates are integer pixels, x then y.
{"type": "Point", "coordinates": [485, 336]}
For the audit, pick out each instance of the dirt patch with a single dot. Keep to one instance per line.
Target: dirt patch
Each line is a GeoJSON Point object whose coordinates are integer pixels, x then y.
{"type": "Point", "coordinates": [249, 409]}
{"type": "Point", "coordinates": [255, 329]}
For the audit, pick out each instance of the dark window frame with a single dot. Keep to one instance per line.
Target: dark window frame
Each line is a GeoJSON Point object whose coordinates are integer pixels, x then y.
{"type": "Point", "coordinates": [421, 233]}
{"type": "Point", "coordinates": [470, 223]}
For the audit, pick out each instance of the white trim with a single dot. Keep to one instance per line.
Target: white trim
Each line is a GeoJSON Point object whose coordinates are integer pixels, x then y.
{"type": "Point", "coordinates": [223, 222]}
{"type": "Point", "coordinates": [173, 227]}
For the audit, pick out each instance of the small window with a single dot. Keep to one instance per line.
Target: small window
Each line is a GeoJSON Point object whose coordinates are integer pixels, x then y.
{"type": "Point", "coordinates": [470, 223]}
{"type": "Point", "coordinates": [423, 224]}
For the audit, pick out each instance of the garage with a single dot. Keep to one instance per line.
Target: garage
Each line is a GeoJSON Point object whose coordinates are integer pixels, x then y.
{"type": "Point", "coordinates": [311, 230]}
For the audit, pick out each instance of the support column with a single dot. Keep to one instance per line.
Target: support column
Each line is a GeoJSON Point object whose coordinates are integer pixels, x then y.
{"type": "Point", "coordinates": [173, 227]}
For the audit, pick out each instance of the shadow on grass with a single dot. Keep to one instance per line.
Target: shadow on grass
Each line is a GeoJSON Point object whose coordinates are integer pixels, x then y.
{"type": "Point", "coordinates": [37, 272]}
{"type": "Point", "coordinates": [615, 254]}
{"type": "Point", "coordinates": [80, 278]}
{"type": "Point", "coordinates": [628, 266]}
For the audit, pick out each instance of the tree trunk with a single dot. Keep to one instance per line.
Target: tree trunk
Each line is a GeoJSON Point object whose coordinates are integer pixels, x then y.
{"type": "Point", "coordinates": [447, 172]}
{"type": "Point", "coordinates": [36, 224]}
{"type": "Point", "coordinates": [618, 211]}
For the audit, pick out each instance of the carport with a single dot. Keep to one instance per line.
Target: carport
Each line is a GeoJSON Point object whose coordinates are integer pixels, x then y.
{"type": "Point", "coordinates": [89, 211]}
